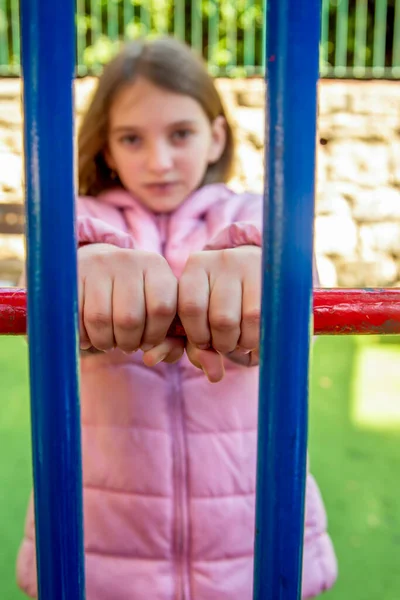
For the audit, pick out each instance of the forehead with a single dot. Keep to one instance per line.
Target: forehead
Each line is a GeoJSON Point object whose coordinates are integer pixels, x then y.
{"type": "Point", "coordinates": [140, 101]}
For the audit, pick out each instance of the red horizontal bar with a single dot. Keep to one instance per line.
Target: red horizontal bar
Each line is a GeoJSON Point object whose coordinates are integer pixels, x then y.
{"type": "Point", "coordinates": [342, 311]}
{"type": "Point", "coordinates": [12, 311]}
{"type": "Point", "coordinates": [338, 311]}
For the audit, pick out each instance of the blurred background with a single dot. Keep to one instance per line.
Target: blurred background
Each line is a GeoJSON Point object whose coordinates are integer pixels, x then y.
{"type": "Point", "coordinates": [355, 381]}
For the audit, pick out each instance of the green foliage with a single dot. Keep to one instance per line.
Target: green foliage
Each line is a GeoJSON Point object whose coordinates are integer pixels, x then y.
{"type": "Point", "coordinates": [230, 34]}
{"type": "Point", "coordinates": [223, 32]}
{"type": "Point", "coordinates": [360, 34]}
{"type": "Point", "coordinates": [356, 34]}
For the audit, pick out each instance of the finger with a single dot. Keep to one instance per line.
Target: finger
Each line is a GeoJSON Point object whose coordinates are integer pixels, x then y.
{"type": "Point", "coordinates": [170, 351]}
{"type": "Point", "coordinates": [193, 301]}
{"type": "Point", "coordinates": [251, 308]}
{"type": "Point", "coordinates": [129, 311]}
{"type": "Point", "coordinates": [225, 313]}
{"type": "Point", "coordinates": [84, 341]}
{"type": "Point", "coordinates": [209, 361]}
{"type": "Point", "coordinates": [161, 294]}
{"type": "Point", "coordinates": [175, 355]}
{"type": "Point", "coordinates": [97, 312]}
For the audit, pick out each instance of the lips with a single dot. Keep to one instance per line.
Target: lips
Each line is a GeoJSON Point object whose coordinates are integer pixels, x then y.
{"type": "Point", "coordinates": [160, 183]}
{"type": "Point", "coordinates": [162, 186]}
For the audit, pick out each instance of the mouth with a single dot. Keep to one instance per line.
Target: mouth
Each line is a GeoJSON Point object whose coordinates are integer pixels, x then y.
{"type": "Point", "coordinates": [161, 186]}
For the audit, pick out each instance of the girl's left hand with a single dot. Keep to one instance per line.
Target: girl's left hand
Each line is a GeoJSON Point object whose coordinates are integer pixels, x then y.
{"type": "Point", "coordinates": [219, 298]}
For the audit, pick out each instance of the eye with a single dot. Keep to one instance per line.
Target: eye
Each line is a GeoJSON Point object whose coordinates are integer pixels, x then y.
{"type": "Point", "coordinates": [181, 134]}
{"type": "Point", "coordinates": [130, 139]}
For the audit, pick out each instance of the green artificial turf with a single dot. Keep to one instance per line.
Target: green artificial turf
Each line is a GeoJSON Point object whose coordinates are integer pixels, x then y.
{"type": "Point", "coordinates": [355, 455]}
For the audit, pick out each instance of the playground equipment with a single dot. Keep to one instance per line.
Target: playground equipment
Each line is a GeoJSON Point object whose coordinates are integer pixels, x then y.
{"type": "Point", "coordinates": [292, 72]}
{"type": "Point", "coordinates": [336, 312]}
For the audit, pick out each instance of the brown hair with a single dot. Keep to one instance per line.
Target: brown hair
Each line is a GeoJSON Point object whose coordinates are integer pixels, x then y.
{"type": "Point", "coordinates": [167, 63]}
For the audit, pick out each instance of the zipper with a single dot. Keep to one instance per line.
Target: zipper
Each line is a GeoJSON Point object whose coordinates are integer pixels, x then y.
{"type": "Point", "coordinates": [162, 226]}
{"type": "Point", "coordinates": [179, 453]}
{"type": "Point", "coordinates": [181, 519]}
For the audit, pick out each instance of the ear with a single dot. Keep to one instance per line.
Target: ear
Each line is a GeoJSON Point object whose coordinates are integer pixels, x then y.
{"type": "Point", "coordinates": [218, 139]}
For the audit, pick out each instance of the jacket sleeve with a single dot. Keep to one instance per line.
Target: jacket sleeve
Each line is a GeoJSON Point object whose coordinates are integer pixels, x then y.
{"type": "Point", "coordinates": [92, 230]}
{"type": "Point", "coordinates": [246, 228]}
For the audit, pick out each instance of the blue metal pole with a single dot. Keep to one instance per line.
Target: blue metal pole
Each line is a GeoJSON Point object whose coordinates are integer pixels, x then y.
{"type": "Point", "coordinates": [48, 59]}
{"type": "Point", "coordinates": [292, 57]}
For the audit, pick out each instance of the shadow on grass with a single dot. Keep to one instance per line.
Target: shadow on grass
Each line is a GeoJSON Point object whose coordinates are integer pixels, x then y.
{"type": "Point", "coordinates": [355, 457]}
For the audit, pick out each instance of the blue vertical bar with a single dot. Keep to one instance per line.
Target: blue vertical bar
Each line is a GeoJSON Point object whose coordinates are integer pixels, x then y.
{"type": "Point", "coordinates": [293, 31]}
{"type": "Point", "coordinates": [48, 58]}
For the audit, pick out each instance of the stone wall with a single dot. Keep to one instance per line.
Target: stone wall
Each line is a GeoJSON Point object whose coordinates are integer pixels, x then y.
{"type": "Point", "coordinates": [358, 172]}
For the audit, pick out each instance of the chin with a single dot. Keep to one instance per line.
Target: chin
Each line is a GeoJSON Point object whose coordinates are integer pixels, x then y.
{"type": "Point", "coordinates": [164, 210]}
{"type": "Point", "coordinates": [163, 205]}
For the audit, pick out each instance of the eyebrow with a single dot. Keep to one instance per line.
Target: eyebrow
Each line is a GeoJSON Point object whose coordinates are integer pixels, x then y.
{"type": "Point", "coordinates": [130, 128]}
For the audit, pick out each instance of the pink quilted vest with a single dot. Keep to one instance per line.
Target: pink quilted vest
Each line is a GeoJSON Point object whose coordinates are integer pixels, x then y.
{"type": "Point", "coordinates": [168, 458]}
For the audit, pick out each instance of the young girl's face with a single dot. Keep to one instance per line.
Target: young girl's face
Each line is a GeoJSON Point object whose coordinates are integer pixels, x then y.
{"type": "Point", "coordinates": [160, 144]}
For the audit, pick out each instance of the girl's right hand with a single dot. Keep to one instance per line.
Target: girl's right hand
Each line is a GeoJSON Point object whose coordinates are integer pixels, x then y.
{"type": "Point", "coordinates": [127, 298]}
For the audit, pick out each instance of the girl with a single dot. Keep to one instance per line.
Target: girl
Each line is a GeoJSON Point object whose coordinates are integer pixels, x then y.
{"type": "Point", "coordinates": [168, 429]}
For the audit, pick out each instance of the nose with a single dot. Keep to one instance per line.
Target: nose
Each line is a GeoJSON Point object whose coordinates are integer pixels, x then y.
{"type": "Point", "coordinates": [159, 157]}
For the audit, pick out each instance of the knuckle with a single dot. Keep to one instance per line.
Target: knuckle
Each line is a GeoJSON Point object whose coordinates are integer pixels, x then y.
{"type": "Point", "coordinates": [151, 339]}
{"type": "Point", "coordinates": [195, 258]}
{"type": "Point", "coordinates": [158, 261]}
{"type": "Point", "coordinates": [127, 320]}
{"type": "Point", "coordinates": [226, 253]}
{"type": "Point", "coordinates": [190, 309]}
{"type": "Point", "coordinates": [125, 256]}
{"type": "Point", "coordinates": [252, 317]}
{"type": "Point", "coordinates": [201, 343]}
{"type": "Point", "coordinates": [228, 257]}
{"type": "Point", "coordinates": [97, 253]}
{"type": "Point", "coordinates": [97, 320]}
{"type": "Point", "coordinates": [125, 259]}
{"type": "Point", "coordinates": [102, 342]}
{"type": "Point", "coordinates": [161, 260]}
{"type": "Point", "coordinates": [224, 348]}
{"type": "Point", "coordinates": [224, 322]}
{"type": "Point", "coordinates": [128, 346]}
{"type": "Point", "coordinates": [163, 307]}
{"type": "Point", "coordinates": [103, 345]}
{"type": "Point", "coordinates": [194, 261]}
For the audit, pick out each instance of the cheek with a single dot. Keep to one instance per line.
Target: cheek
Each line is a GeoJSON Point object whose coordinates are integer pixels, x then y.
{"type": "Point", "coordinates": [193, 167]}
{"type": "Point", "coordinates": [194, 160]}
{"type": "Point", "coordinates": [125, 161]}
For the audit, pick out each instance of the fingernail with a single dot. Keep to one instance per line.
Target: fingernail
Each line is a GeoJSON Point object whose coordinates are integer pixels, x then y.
{"type": "Point", "coordinates": [147, 347]}
{"type": "Point", "coordinates": [203, 346]}
{"type": "Point", "coordinates": [155, 360]}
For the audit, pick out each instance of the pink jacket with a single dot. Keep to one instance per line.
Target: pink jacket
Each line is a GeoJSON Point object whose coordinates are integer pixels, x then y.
{"type": "Point", "coordinates": [168, 458]}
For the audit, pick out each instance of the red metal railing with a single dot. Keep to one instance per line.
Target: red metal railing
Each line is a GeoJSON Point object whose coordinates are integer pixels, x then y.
{"type": "Point", "coordinates": [336, 312]}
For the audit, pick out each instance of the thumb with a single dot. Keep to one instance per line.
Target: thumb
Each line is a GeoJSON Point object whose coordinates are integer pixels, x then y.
{"type": "Point", "coordinates": [210, 361]}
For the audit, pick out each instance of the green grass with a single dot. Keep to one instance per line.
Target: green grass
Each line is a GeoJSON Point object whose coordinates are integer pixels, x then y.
{"type": "Point", "coordinates": [15, 465]}
{"type": "Point", "coordinates": [354, 449]}
{"type": "Point", "coordinates": [354, 452]}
